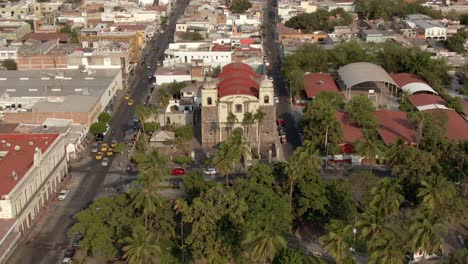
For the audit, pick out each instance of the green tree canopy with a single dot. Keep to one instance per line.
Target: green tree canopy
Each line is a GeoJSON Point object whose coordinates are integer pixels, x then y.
{"type": "Point", "coordinates": [194, 185]}
{"type": "Point", "coordinates": [104, 117]}
{"type": "Point", "coordinates": [457, 41]}
{"type": "Point", "coordinates": [192, 36]}
{"type": "Point", "coordinates": [215, 217]}
{"type": "Point", "coordinates": [10, 65]}
{"type": "Point", "coordinates": [98, 128]}
{"type": "Point", "coordinates": [320, 20]}
{"type": "Point", "coordinates": [319, 122]}
{"type": "Point", "coordinates": [140, 247]}
{"type": "Point", "coordinates": [360, 111]}
{"type": "Point", "coordinates": [151, 127]}
{"type": "Point", "coordinates": [240, 6]}
{"type": "Point", "coordinates": [104, 224]}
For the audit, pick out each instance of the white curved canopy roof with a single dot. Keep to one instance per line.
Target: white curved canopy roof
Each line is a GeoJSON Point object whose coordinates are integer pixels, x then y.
{"type": "Point", "coordinates": [360, 72]}
{"type": "Point", "coordinates": [418, 87]}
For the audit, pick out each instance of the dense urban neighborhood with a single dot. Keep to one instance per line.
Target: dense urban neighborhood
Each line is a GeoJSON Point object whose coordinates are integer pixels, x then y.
{"type": "Point", "coordinates": [239, 131]}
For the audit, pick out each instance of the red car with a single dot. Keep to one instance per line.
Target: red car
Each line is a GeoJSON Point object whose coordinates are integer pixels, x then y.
{"type": "Point", "coordinates": [177, 171]}
{"type": "Point", "coordinates": [280, 122]}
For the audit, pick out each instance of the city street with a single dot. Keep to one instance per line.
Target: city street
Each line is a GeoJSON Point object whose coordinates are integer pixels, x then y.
{"type": "Point", "coordinates": [46, 241]}
{"type": "Point", "coordinates": [283, 108]}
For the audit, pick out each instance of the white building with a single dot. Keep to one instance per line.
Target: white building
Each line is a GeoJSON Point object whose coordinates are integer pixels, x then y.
{"type": "Point", "coordinates": [8, 53]}
{"type": "Point", "coordinates": [172, 74]}
{"type": "Point", "coordinates": [33, 167]}
{"type": "Point", "coordinates": [186, 52]}
{"type": "Point", "coordinates": [431, 28]}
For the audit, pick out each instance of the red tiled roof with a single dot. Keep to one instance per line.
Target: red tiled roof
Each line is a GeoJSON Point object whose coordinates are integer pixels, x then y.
{"type": "Point", "coordinates": [351, 133]}
{"type": "Point", "coordinates": [284, 30]}
{"type": "Point", "coordinates": [402, 79]}
{"type": "Point", "coordinates": [426, 99]}
{"type": "Point", "coordinates": [317, 82]}
{"type": "Point", "coordinates": [395, 124]}
{"type": "Point", "coordinates": [457, 126]}
{"type": "Point", "coordinates": [131, 27]}
{"type": "Point", "coordinates": [238, 78]}
{"type": "Point", "coordinates": [20, 161]}
{"type": "Point", "coordinates": [218, 47]}
{"type": "Point", "coordinates": [247, 41]}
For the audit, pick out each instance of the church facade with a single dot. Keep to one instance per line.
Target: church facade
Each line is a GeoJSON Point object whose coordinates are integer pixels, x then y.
{"type": "Point", "coordinates": [238, 89]}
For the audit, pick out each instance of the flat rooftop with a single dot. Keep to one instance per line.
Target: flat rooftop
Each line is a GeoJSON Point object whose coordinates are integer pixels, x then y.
{"type": "Point", "coordinates": [55, 82]}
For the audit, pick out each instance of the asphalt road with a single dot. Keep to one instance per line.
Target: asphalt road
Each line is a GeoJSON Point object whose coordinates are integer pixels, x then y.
{"type": "Point", "coordinates": [46, 241]}
{"type": "Point", "coordinates": [283, 108]}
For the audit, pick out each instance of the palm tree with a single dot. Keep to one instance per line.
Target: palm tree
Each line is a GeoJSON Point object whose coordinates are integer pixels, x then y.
{"type": "Point", "coordinates": [231, 121]}
{"type": "Point", "coordinates": [164, 98]}
{"type": "Point", "coordinates": [238, 148]}
{"type": "Point", "coordinates": [425, 233]}
{"type": "Point", "coordinates": [393, 154]}
{"type": "Point", "coordinates": [436, 191]}
{"type": "Point", "coordinates": [304, 160]}
{"type": "Point", "coordinates": [179, 207]}
{"type": "Point", "coordinates": [263, 245]}
{"type": "Point", "coordinates": [386, 247]}
{"type": "Point", "coordinates": [336, 240]}
{"type": "Point", "coordinates": [371, 149]}
{"type": "Point", "coordinates": [370, 224]}
{"type": "Point", "coordinates": [146, 197]}
{"type": "Point", "coordinates": [419, 118]}
{"type": "Point", "coordinates": [143, 112]}
{"type": "Point", "coordinates": [152, 164]}
{"type": "Point", "coordinates": [247, 122]}
{"type": "Point", "coordinates": [141, 247]}
{"type": "Point", "coordinates": [387, 197]}
{"type": "Point", "coordinates": [259, 116]}
{"type": "Point", "coordinates": [230, 153]}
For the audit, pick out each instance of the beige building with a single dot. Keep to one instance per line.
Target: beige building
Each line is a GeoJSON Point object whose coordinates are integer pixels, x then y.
{"type": "Point", "coordinates": [12, 30]}
{"type": "Point", "coordinates": [238, 90]}
{"type": "Point", "coordinates": [33, 167]}
{"type": "Point", "coordinates": [18, 10]}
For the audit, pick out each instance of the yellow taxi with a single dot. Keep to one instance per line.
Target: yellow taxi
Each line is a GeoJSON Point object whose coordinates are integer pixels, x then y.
{"type": "Point", "coordinates": [104, 147]}
{"type": "Point", "coordinates": [130, 102]}
{"type": "Point", "coordinates": [99, 155]}
{"type": "Point", "coordinates": [127, 96]}
{"type": "Point", "coordinates": [110, 152]}
{"type": "Point", "coordinates": [113, 144]}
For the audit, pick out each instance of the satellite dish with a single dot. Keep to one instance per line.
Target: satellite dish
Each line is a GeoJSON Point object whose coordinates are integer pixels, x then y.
{"type": "Point", "coordinates": [17, 148]}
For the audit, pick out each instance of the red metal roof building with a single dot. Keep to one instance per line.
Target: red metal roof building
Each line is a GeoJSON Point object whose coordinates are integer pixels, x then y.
{"type": "Point", "coordinates": [238, 78]}
{"type": "Point", "coordinates": [394, 125]}
{"type": "Point", "coordinates": [456, 127]}
{"type": "Point", "coordinates": [351, 133]}
{"type": "Point", "coordinates": [317, 82]}
{"type": "Point", "coordinates": [18, 156]}
{"type": "Point", "coordinates": [418, 100]}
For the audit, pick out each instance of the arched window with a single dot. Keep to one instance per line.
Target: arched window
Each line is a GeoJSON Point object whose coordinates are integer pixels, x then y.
{"type": "Point", "coordinates": [238, 108]}
{"type": "Point", "coordinates": [209, 101]}
{"type": "Point", "coordinates": [266, 100]}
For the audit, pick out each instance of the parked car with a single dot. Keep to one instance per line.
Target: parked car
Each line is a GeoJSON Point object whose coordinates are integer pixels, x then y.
{"type": "Point", "coordinates": [66, 261]}
{"type": "Point", "coordinates": [99, 137]}
{"type": "Point", "coordinates": [276, 99]}
{"type": "Point", "coordinates": [105, 162]}
{"type": "Point", "coordinates": [177, 171]}
{"type": "Point", "coordinates": [76, 241]}
{"type": "Point", "coordinates": [63, 194]}
{"type": "Point", "coordinates": [99, 155]}
{"type": "Point", "coordinates": [127, 96]}
{"type": "Point", "coordinates": [130, 102]}
{"type": "Point", "coordinates": [280, 122]}
{"type": "Point", "coordinates": [69, 253]}
{"type": "Point", "coordinates": [283, 140]}
{"type": "Point", "coordinates": [104, 147]}
{"type": "Point", "coordinates": [95, 148]}
{"type": "Point", "coordinates": [210, 171]}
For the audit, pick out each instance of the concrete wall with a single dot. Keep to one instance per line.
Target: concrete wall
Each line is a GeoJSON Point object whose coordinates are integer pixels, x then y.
{"type": "Point", "coordinates": [42, 62]}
